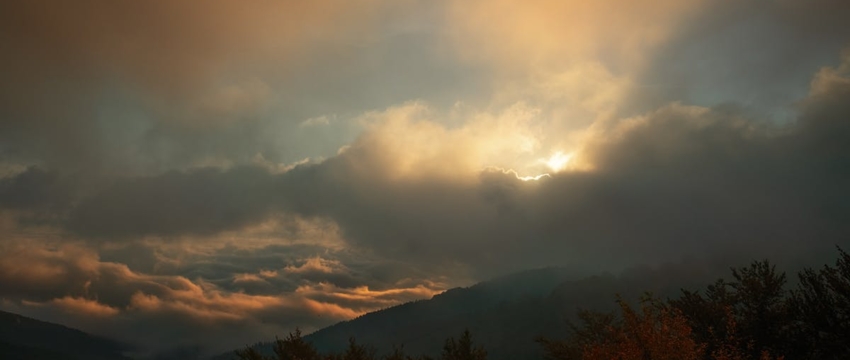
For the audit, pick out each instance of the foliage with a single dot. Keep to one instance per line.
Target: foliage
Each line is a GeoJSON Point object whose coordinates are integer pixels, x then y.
{"type": "Point", "coordinates": [463, 349]}
{"type": "Point", "coordinates": [760, 307]}
{"type": "Point", "coordinates": [747, 315]}
{"type": "Point", "coordinates": [751, 317]}
{"type": "Point", "coordinates": [655, 331]}
{"type": "Point", "coordinates": [358, 352]}
{"type": "Point", "coordinates": [821, 307]}
{"type": "Point", "coordinates": [396, 354]}
{"type": "Point", "coordinates": [293, 347]}
{"type": "Point", "coordinates": [594, 329]}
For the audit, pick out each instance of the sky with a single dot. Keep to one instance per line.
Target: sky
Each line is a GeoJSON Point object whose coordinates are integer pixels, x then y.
{"type": "Point", "coordinates": [213, 173]}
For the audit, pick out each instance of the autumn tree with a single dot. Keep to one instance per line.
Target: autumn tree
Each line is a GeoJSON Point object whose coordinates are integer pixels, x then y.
{"type": "Point", "coordinates": [655, 331]}
{"type": "Point", "coordinates": [708, 315]}
{"type": "Point", "coordinates": [754, 302]}
{"type": "Point", "coordinates": [593, 328]}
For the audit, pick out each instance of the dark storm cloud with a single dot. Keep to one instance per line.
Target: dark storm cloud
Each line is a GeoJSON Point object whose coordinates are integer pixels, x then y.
{"type": "Point", "coordinates": [160, 206]}
{"type": "Point", "coordinates": [679, 180]}
{"type": "Point", "coordinates": [94, 88]}
{"type": "Point", "coordinates": [757, 54]}
{"type": "Point", "coordinates": [204, 201]}
{"type": "Point", "coordinates": [34, 188]}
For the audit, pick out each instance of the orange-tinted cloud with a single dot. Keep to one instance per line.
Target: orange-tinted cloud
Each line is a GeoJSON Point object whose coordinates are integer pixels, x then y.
{"type": "Point", "coordinates": [315, 264]}
{"type": "Point", "coordinates": [170, 184]}
{"type": "Point", "coordinates": [71, 284]}
{"type": "Point", "coordinates": [84, 306]}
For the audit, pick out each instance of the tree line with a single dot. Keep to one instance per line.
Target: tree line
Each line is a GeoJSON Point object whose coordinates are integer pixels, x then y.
{"type": "Point", "coordinates": [294, 347]}
{"type": "Point", "coordinates": [749, 317]}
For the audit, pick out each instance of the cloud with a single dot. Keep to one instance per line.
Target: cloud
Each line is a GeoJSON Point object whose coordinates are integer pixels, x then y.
{"type": "Point", "coordinates": [315, 264]}
{"type": "Point", "coordinates": [680, 179]}
{"type": "Point", "coordinates": [190, 43]}
{"type": "Point", "coordinates": [316, 121]}
{"type": "Point", "coordinates": [35, 189]}
{"type": "Point", "coordinates": [203, 201]}
{"type": "Point", "coordinates": [124, 97]}
{"type": "Point", "coordinates": [556, 33]}
{"type": "Point", "coordinates": [84, 306]}
{"type": "Point", "coordinates": [166, 179]}
{"type": "Point", "coordinates": [755, 54]}
{"type": "Point", "coordinates": [71, 285]}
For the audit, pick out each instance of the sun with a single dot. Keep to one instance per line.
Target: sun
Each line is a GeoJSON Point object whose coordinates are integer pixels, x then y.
{"type": "Point", "coordinates": [558, 161]}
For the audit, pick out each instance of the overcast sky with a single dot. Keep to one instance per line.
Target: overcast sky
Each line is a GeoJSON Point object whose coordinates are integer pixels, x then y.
{"type": "Point", "coordinates": [211, 173]}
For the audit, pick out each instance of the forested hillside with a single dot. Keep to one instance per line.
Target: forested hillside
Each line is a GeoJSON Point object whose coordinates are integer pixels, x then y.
{"type": "Point", "coordinates": [752, 313]}
{"type": "Point", "coordinates": [29, 339]}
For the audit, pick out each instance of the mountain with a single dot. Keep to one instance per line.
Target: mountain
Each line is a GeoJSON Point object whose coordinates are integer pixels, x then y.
{"type": "Point", "coordinates": [494, 311]}
{"type": "Point", "coordinates": [506, 314]}
{"type": "Point", "coordinates": [29, 339]}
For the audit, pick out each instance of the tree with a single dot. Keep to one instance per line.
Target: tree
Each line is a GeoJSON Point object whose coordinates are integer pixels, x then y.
{"type": "Point", "coordinates": [594, 328]}
{"type": "Point", "coordinates": [463, 349]}
{"type": "Point", "coordinates": [250, 353]}
{"type": "Point", "coordinates": [760, 305]}
{"type": "Point", "coordinates": [398, 354]}
{"type": "Point", "coordinates": [821, 307]}
{"type": "Point", "coordinates": [293, 347]}
{"type": "Point", "coordinates": [708, 316]}
{"type": "Point", "coordinates": [748, 314]}
{"type": "Point", "coordinates": [655, 332]}
{"type": "Point", "coordinates": [358, 352]}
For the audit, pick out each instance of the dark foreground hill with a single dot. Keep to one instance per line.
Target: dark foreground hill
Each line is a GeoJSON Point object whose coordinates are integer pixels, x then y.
{"type": "Point", "coordinates": [504, 315]}
{"type": "Point", "coordinates": [23, 338]}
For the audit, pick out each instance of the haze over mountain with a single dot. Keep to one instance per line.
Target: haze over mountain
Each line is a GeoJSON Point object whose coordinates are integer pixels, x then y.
{"type": "Point", "coordinates": [196, 176]}
{"type": "Point", "coordinates": [29, 339]}
{"type": "Point", "coordinates": [506, 315]}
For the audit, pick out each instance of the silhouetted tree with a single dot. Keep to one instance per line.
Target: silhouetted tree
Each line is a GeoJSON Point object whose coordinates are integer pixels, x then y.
{"type": "Point", "coordinates": [593, 328]}
{"type": "Point", "coordinates": [463, 349]}
{"type": "Point", "coordinates": [358, 352]}
{"type": "Point", "coordinates": [250, 353]}
{"type": "Point", "coordinates": [821, 308]}
{"type": "Point", "coordinates": [293, 347]}
{"type": "Point", "coordinates": [747, 318]}
{"type": "Point", "coordinates": [760, 305]}
{"type": "Point", "coordinates": [396, 354]}
{"type": "Point", "coordinates": [709, 315]}
{"type": "Point", "coordinates": [755, 303]}
{"type": "Point", "coordinates": [751, 317]}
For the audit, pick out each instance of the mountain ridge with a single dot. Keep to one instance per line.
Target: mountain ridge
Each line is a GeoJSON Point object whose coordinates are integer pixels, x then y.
{"type": "Point", "coordinates": [505, 314]}
{"type": "Point", "coordinates": [26, 338]}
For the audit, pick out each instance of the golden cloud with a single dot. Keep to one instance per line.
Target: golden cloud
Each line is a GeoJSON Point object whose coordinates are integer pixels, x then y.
{"type": "Point", "coordinates": [84, 306]}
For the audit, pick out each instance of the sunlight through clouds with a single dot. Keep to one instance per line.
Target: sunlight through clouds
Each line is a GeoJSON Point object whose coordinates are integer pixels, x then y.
{"type": "Point", "coordinates": [248, 168]}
